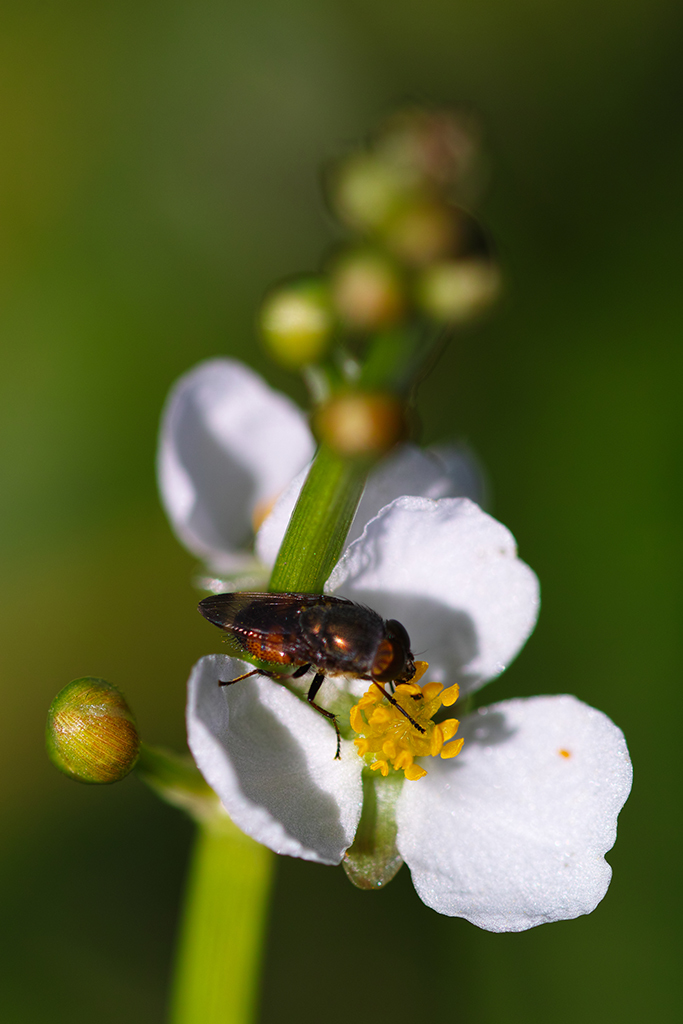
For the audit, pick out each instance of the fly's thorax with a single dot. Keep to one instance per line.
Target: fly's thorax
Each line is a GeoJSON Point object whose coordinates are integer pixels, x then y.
{"type": "Point", "coordinates": [342, 639]}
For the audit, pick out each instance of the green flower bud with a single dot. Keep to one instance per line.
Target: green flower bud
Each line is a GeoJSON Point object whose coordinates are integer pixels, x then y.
{"type": "Point", "coordinates": [456, 291]}
{"type": "Point", "coordinates": [367, 290]}
{"type": "Point", "coordinates": [91, 734]}
{"type": "Point", "coordinates": [359, 423]}
{"type": "Point", "coordinates": [296, 322]}
{"type": "Point", "coordinates": [366, 191]}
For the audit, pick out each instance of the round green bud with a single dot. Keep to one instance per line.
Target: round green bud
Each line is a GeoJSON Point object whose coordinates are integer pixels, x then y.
{"type": "Point", "coordinates": [456, 291]}
{"type": "Point", "coordinates": [91, 734]}
{"type": "Point", "coordinates": [367, 290]}
{"type": "Point", "coordinates": [366, 191]}
{"type": "Point", "coordinates": [296, 322]}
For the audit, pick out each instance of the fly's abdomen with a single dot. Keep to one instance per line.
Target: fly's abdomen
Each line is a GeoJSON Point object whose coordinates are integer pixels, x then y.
{"type": "Point", "coordinates": [273, 648]}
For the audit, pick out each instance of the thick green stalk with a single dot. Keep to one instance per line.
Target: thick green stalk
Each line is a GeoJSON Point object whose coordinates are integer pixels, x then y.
{"type": "Point", "coordinates": [219, 958]}
{"type": "Point", "coordinates": [320, 522]}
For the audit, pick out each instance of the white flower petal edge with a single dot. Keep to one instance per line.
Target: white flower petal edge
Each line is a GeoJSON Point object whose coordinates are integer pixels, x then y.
{"type": "Point", "coordinates": [446, 472]}
{"type": "Point", "coordinates": [228, 444]}
{"type": "Point", "coordinates": [513, 832]}
{"type": "Point", "coordinates": [270, 759]}
{"type": "Point", "coordinates": [450, 573]}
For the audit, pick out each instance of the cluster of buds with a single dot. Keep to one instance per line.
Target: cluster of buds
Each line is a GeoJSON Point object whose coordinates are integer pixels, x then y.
{"type": "Point", "coordinates": [415, 256]}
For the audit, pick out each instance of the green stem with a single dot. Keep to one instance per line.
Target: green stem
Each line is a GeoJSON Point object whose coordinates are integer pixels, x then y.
{"type": "Point", "coordinates": [320, 522]}
{"type": "Point", "coordinates": [219, 957]}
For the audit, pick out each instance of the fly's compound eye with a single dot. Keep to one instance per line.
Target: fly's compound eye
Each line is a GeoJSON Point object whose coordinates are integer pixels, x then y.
{"type": "Point", "coordinates": [394, 659]}
{"type": "Point", "coordinates": [389, 662]}
{"type": "Point", "coordinates": [398, 632]}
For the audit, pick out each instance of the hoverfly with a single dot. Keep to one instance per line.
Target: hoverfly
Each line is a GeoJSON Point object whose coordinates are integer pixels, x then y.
{"type": "Point", "coordinates": [295, 633]}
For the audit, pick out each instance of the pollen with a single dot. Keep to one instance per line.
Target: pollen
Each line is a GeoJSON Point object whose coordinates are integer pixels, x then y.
{"type": "Point", "coordinates": [392, 735]}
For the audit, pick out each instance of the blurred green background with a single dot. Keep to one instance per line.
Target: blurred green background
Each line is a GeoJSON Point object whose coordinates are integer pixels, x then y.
{"type": "Point", "coordinates": [159, 168]}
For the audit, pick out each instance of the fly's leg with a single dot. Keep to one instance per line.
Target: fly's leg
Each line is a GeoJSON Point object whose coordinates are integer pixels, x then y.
{"type": "Point", "coordinates": [229, 682]}
{"type": "Point", "coordinates": [318, 680]}
{"type": "Point", "coordinates": [398, 707]}
{"type": "Point", "coordinates": [262, 672]}
{"type": "Point", "coordinates": [392, 685]}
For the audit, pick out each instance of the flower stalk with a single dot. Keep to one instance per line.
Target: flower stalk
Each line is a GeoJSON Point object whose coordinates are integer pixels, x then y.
{"type": "Point", "coordinates": [219, 953]}
{"type": "Point", "coordinates": [320, 522]}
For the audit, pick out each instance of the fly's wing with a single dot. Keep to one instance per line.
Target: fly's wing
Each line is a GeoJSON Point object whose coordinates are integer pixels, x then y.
{"type": "Point", "coordinates": [224, 609]}
{"type": "Point", "coordinates": [266, 627]}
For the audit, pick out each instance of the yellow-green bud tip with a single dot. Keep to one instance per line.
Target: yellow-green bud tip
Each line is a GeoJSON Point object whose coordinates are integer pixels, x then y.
{"type": "Point", "coordinates": [296, 322]}
{"type": "Point", "coordinates": [91, 734]}
{"type": "Point", "coordinates": [456, 291]}
{"type": "Point", "coordinates": [366, 190]}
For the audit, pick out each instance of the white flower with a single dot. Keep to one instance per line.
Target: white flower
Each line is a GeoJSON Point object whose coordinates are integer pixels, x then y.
{"type": "Point", "coordinates": [512, 832]}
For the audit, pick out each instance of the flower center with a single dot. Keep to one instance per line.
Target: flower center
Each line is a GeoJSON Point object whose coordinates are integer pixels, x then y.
{"type": "Point", "coordinates": [388, 736]}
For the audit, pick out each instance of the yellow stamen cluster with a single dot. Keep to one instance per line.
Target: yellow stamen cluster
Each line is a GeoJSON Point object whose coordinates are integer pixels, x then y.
{"type": "Point", "coordinates": [389, 739]}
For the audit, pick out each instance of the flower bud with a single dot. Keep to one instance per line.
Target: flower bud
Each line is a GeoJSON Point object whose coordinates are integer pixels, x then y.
{"type": "Point", "coordinates": [456, 291]}
{"type": "Point", "coordinates": [366, 290]}
{"type": "Point", "coordinates": [91, 734]}
{"type": "Point", "coordinates": [296, 322]}
{"type": "Point", "coordinates": [423, 232]}
{"type": "Point", "coordinates": [359, 423]}
{"type": "Point", "coordinates": [441, 146]}
{"type": "Point", "coordinates": [365, 190]}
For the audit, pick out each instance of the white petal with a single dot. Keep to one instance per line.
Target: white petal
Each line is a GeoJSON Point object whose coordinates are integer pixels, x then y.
{"type": "Point", "coordinates": [468, 477]}
{"type": "Point", "coordinates": [228, 445]}
{"type": "Point", "coordinates": [447, 472]}
{"type": "Point", "coordinates": [450, 573]}
{"type": "Point", "coordinates": [270, 759]}
{"type": "Point", "coordinates": [513, 832]}
{"type": "Point", "coordinates": [444, 472]}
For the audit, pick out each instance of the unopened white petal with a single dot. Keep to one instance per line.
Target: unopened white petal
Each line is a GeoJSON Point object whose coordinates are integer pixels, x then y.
{"type": "Point", "coordinates": [270, 759]}
{"type": "Point", "coordinates": [444, 472]}
{"type": "Point", "coordinates": [512, 833]}
{"type": "Point", "coordinates": [450, 573]}
{"type": "Point", "coordinates": [229, 445]}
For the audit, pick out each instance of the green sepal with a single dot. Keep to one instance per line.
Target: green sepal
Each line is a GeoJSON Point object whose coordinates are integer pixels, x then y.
{"type": "Point", "coordinates": [373, 859]}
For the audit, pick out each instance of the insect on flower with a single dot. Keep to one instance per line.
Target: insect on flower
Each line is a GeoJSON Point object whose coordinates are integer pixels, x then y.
{"type": "Point", "coordinates": [288, 635]}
